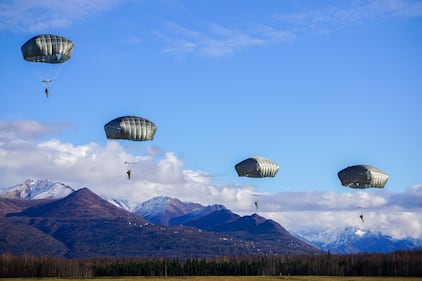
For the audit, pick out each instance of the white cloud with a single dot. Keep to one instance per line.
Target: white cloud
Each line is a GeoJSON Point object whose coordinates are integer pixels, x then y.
{"type": "Point", "coordinates": [103, 170]}
{"type": "Point", "coordinates": [396, 214]}
{"type": "Point", "coordinates": [42, 15]}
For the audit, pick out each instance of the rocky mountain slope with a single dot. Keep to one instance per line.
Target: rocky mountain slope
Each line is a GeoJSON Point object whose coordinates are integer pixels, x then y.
{"type": "Point", "coordinates": [85, 225]}
{"type": "Point", "coordinates": [35, 199]}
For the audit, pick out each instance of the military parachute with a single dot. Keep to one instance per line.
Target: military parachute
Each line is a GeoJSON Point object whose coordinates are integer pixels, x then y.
{"type": "Point", "coordinates": [256, 167]}
{"type": "Point", "coordinates": [130, 128]}
{"type": "Point", "coordinates": [362, 176]}
{"type": "Point", "coordinates": [50, 49]}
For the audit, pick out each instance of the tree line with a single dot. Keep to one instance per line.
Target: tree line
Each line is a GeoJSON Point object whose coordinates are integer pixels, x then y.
{"type": "Point", "coordinates": [400, 263]}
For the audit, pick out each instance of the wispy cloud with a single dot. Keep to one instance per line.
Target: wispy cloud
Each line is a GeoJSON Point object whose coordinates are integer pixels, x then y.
{"type": "Point", "coordinates": [103, 170]}
{"type": "Point", "coordinates": [29, 129]}
{"type": "Point", "coordinates": [215, 40]}
{"type": "Point", "coordinates": [41, 15]}
{"type": "Point", "coordinates": [356, 12]}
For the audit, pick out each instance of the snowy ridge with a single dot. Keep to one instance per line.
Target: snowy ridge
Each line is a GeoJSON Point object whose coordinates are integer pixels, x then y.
{"type": "Point", "coordinates": [161, 209]}
{"type": "Point", "coordinates": [37, 189]}
{"type": "Point", "coordinates": [328, 236]}
{"type": "Point", "coordinates": [121, 203]}
{"type": "Point", "coordinates": [356, 240]}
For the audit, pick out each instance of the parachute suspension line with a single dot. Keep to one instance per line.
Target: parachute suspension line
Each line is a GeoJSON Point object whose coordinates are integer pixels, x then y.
{"type": "Point", "coordinates": [45, 82]}
{"type": "Point", "coordinates": [48, 77]}
{"type": "Point", "coordinates": [56, 70]}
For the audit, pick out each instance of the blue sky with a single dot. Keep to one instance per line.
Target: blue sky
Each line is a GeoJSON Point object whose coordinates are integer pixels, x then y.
{"type": "Point", "coordinates": [315, 86]}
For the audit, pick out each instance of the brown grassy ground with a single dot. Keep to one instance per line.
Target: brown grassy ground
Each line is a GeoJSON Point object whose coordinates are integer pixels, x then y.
{"type": "Point", "coordinates": [226, 278]}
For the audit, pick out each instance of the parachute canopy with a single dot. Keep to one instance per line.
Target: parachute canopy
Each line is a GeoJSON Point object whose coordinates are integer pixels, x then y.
{"type": "Point", "coordinates": [130, 128]}
{"type": "Point", "coordinates": [362, 176]}
{"type": "Point", "coordinates": [47, 48]}
{"type": "Point", "coordinates": [256, 167]}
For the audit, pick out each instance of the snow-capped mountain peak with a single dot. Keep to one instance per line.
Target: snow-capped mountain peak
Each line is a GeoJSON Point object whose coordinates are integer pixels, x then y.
{"type": "Point", "coordinates": [37, 189]}
{"type": "Point", "coordinates": [160, 209]}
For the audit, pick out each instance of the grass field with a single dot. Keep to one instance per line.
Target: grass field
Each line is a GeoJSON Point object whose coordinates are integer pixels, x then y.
{"type": "Point", "coordinates": [226, 278]}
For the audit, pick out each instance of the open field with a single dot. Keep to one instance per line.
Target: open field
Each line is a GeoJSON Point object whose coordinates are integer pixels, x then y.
{"type": "Point", "coordinates": [226, 278]}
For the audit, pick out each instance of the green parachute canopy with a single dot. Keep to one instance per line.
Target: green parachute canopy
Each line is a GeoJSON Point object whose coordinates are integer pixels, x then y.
{"type": "Point", "coordinates": [130, 128]}
{"type": "Point", "coordinates": [256, 167]}
{"type": "Point", "coordinates": [362, 176]}
{"type": "Point", "coordinates": [47, 48]}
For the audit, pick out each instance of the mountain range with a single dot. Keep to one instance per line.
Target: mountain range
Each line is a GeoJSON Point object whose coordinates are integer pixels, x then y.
{"type": "Point", "coordinates": [351, 240]}
{"type": "Point", "coordinates": [81, 224]}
